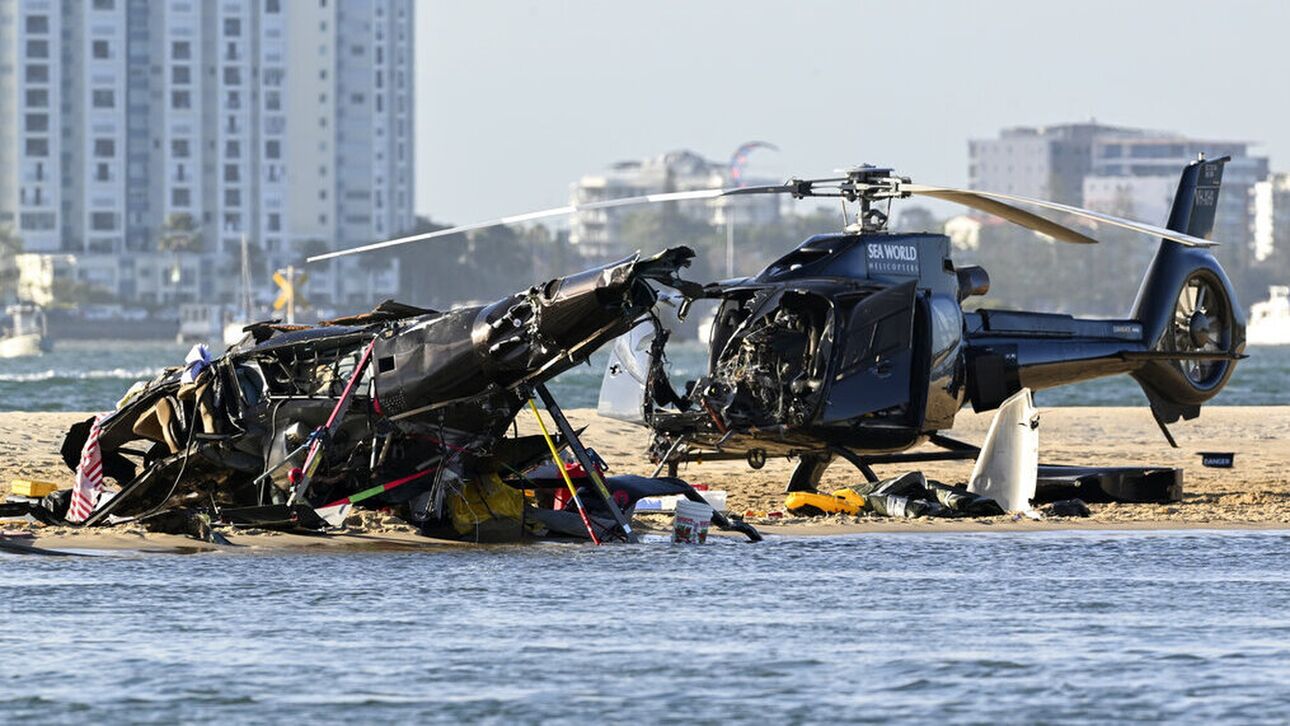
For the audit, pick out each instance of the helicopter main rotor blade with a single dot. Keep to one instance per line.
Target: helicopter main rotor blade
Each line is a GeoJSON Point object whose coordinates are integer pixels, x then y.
{"type": "Point", "coordinates": [527, 217]}
{"type": "Point", "coordinates": [1013, 214]}
{"type": "Point", "coordinates": [997, 204]}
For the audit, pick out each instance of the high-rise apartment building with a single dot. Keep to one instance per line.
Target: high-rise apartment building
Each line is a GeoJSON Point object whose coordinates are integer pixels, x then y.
{"type": "Point", "coordinates": [123, 122]}
{"type": "Point", "coordinates": [1131, 172]}
{"type": "Point", "coordinates": [350, 67]}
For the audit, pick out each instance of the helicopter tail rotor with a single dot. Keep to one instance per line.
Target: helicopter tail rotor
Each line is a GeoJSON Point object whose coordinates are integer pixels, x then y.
{"type": "Point", "coordinates": [1188, 307]}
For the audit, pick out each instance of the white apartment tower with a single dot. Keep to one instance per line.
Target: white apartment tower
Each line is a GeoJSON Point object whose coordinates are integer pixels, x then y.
{"type": "Point", "coordinates": [350, 101]}
{"type": "Point", "coordinates": [31, 113]}
{"type": "Point", "coordinates": [120, 119]}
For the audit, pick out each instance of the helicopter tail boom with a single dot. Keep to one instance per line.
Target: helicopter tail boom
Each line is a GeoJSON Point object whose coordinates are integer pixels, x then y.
{"type": "Point", "coordinates": [1181, 342]}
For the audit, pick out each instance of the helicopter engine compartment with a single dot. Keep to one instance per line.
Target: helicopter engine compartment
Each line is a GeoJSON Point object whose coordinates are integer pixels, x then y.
{"type": "Point", "coordinates": [770, 359]}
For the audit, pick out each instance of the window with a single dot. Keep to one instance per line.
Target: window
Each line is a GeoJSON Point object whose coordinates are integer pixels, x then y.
{"type": "Point", "coordinates": [37, 122]}
{"type": "Point", "coordinates": [38, 49]}
{"type": "Point", "coordinates": [181, 50]}
{"type": "Point", "coordinates": [37, 73]}
{"type": "Point", "coordinates": [37, 221]}
{"type": "Point", "coordinates": [104, 98]}
{"type": "Point", "coordinates": [103, 221]}
{"type": "Point", "coordinates": [180, 197]}
{"type": "Point", "coordinates": [273, 149]}
{"type": "Point", "coordinates": [232, 76]}
{"type": "Point", "coordinates": [179, 148]}
{"type": "Point", "coordinates": [181, 75]}
{"type": "Point", "coordinates": [232, 222]}
{"type": "Point", "coordinates": [232, 149]}
{"type": "Point", "coordinates": [38, 98]}
{"type": "Point", "coordinates": [180, 99]}
{"type": "Point", "coordinates": [357, 98]}
{"type": "Point", "coordinates": [104, 4]}
{"type": "Point", "coordinates": [272, 6]}
{"type": "Point", "coordinates": [232, 197]}
{"type": "Point", "coordinates": [101, 172]}
{"type": "Point", "coordinates": [232, 173]}
{"type": "Point", "coordinates": [272, 101]}
{"type": "Point", "coordinates": [104, 148]}
{"type": "Point", "coordinates": [232, 27]}
{"type": "Point", "coordinates": [100, 49]}
{"type": "Point", "coordinates": [274, 222]}
{"type": "Point", "coordinates": [37, 147]}
{"type": "Point", "coordinates": [37, 23]}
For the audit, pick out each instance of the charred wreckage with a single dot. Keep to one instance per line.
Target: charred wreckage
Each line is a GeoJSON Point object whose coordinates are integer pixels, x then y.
{"type": "Point", "coordinates": [401, 407]}
{"type": "Point", "coordinates": [853, 346]}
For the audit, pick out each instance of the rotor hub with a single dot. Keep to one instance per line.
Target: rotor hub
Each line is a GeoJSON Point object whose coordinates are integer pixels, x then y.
{"type": "Point", "coordinates": [1201, 330]}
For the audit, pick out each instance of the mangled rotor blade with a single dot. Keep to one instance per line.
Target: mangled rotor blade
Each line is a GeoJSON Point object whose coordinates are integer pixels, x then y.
{"type": "Point", "coordinates": [997, 204]}
{"type": "Point", "coordinates": [527, 217]}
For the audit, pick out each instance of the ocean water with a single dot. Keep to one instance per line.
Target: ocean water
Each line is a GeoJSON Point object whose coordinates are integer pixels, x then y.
{"type": "Point", "coordinates": [989, 628]}
{"type": "Point", "coordinates": [93, 375]}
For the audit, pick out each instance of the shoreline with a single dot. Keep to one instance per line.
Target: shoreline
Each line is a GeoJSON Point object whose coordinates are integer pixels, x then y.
{"type": "Point", "coordinates": [1253, 496]}
{"type": "Point", "coordinates": [105, 543]}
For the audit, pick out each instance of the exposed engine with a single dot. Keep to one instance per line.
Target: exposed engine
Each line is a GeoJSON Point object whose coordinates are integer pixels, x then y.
{"type": "Point", "coordinates": [769, 367]}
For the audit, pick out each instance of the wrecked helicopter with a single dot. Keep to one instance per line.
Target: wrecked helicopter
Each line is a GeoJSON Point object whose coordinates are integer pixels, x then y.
{"type": "Point", "coordinates": [856, 345]}
{"type": "Point", "coordinates": [402, 407]}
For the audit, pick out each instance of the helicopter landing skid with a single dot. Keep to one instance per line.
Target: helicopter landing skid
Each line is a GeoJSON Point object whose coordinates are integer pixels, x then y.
{"type": "Point", "coordinates": [1093, 484]}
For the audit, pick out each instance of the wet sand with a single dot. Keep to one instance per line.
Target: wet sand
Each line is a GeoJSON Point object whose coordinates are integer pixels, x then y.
{"type": "Point", "coordinates": [1254, 494]}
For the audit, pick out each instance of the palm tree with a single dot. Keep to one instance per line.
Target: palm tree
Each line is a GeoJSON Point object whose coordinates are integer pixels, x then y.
{"type": "Point", "coordinates": [180, 233]}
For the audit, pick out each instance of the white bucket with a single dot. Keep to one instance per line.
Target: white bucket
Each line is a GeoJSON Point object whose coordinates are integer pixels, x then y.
{"type": "Point", "coordinates": [690, 525]}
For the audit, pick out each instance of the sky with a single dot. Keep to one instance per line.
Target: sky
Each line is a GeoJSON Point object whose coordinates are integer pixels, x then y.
{"type": "Point", "coordinates": [517, 99]}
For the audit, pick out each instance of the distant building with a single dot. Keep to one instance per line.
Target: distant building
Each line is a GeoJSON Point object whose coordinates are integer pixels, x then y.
{"type": "Point", "coordinates": [121, 117]}
{"type": "Point", "coordinates": [1128, 172]}
{"type": "Point", "coordinates": [596, 233]}
{"type": "Point", "coordinates": [1136, 176]}
{"type": "Point", "coordinates": [1271, 215]}
{"type": "Point", "coordinates": [1048, 162]}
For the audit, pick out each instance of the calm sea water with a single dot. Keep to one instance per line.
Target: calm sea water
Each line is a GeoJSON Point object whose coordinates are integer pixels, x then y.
{"type": "Point", "coordinates": [92, 376]}
{"type": "Point", "coordinates": [988, 628]}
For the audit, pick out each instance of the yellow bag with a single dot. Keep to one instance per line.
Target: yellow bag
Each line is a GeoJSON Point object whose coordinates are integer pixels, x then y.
{"type": "Point", "coordinates": [813, 504]}
{"type": "Point", "coordinates": [483, 499]}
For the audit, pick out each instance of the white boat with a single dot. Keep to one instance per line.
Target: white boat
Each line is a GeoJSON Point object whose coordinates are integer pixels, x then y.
{"type": "Point", "coordinates": [200, 323]}
{"type": "Point", "coordinates": [1269, 322]}
{"type": "Point", "coordinates": [233, 329]}
{"type": "Point", "coordinates": [24, 333]}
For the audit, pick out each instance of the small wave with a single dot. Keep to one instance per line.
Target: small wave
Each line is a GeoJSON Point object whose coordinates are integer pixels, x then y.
{"type": "Point", "coordinates": [123, 374]}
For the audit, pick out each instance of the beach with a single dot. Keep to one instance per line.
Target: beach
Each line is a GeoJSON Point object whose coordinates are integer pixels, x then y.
{"type": "Point", "coordinates": [1253, 494]}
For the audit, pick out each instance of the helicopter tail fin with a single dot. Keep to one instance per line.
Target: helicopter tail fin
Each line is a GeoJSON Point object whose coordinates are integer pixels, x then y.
{"type": "Point", "coordinates": [1187, 306]}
